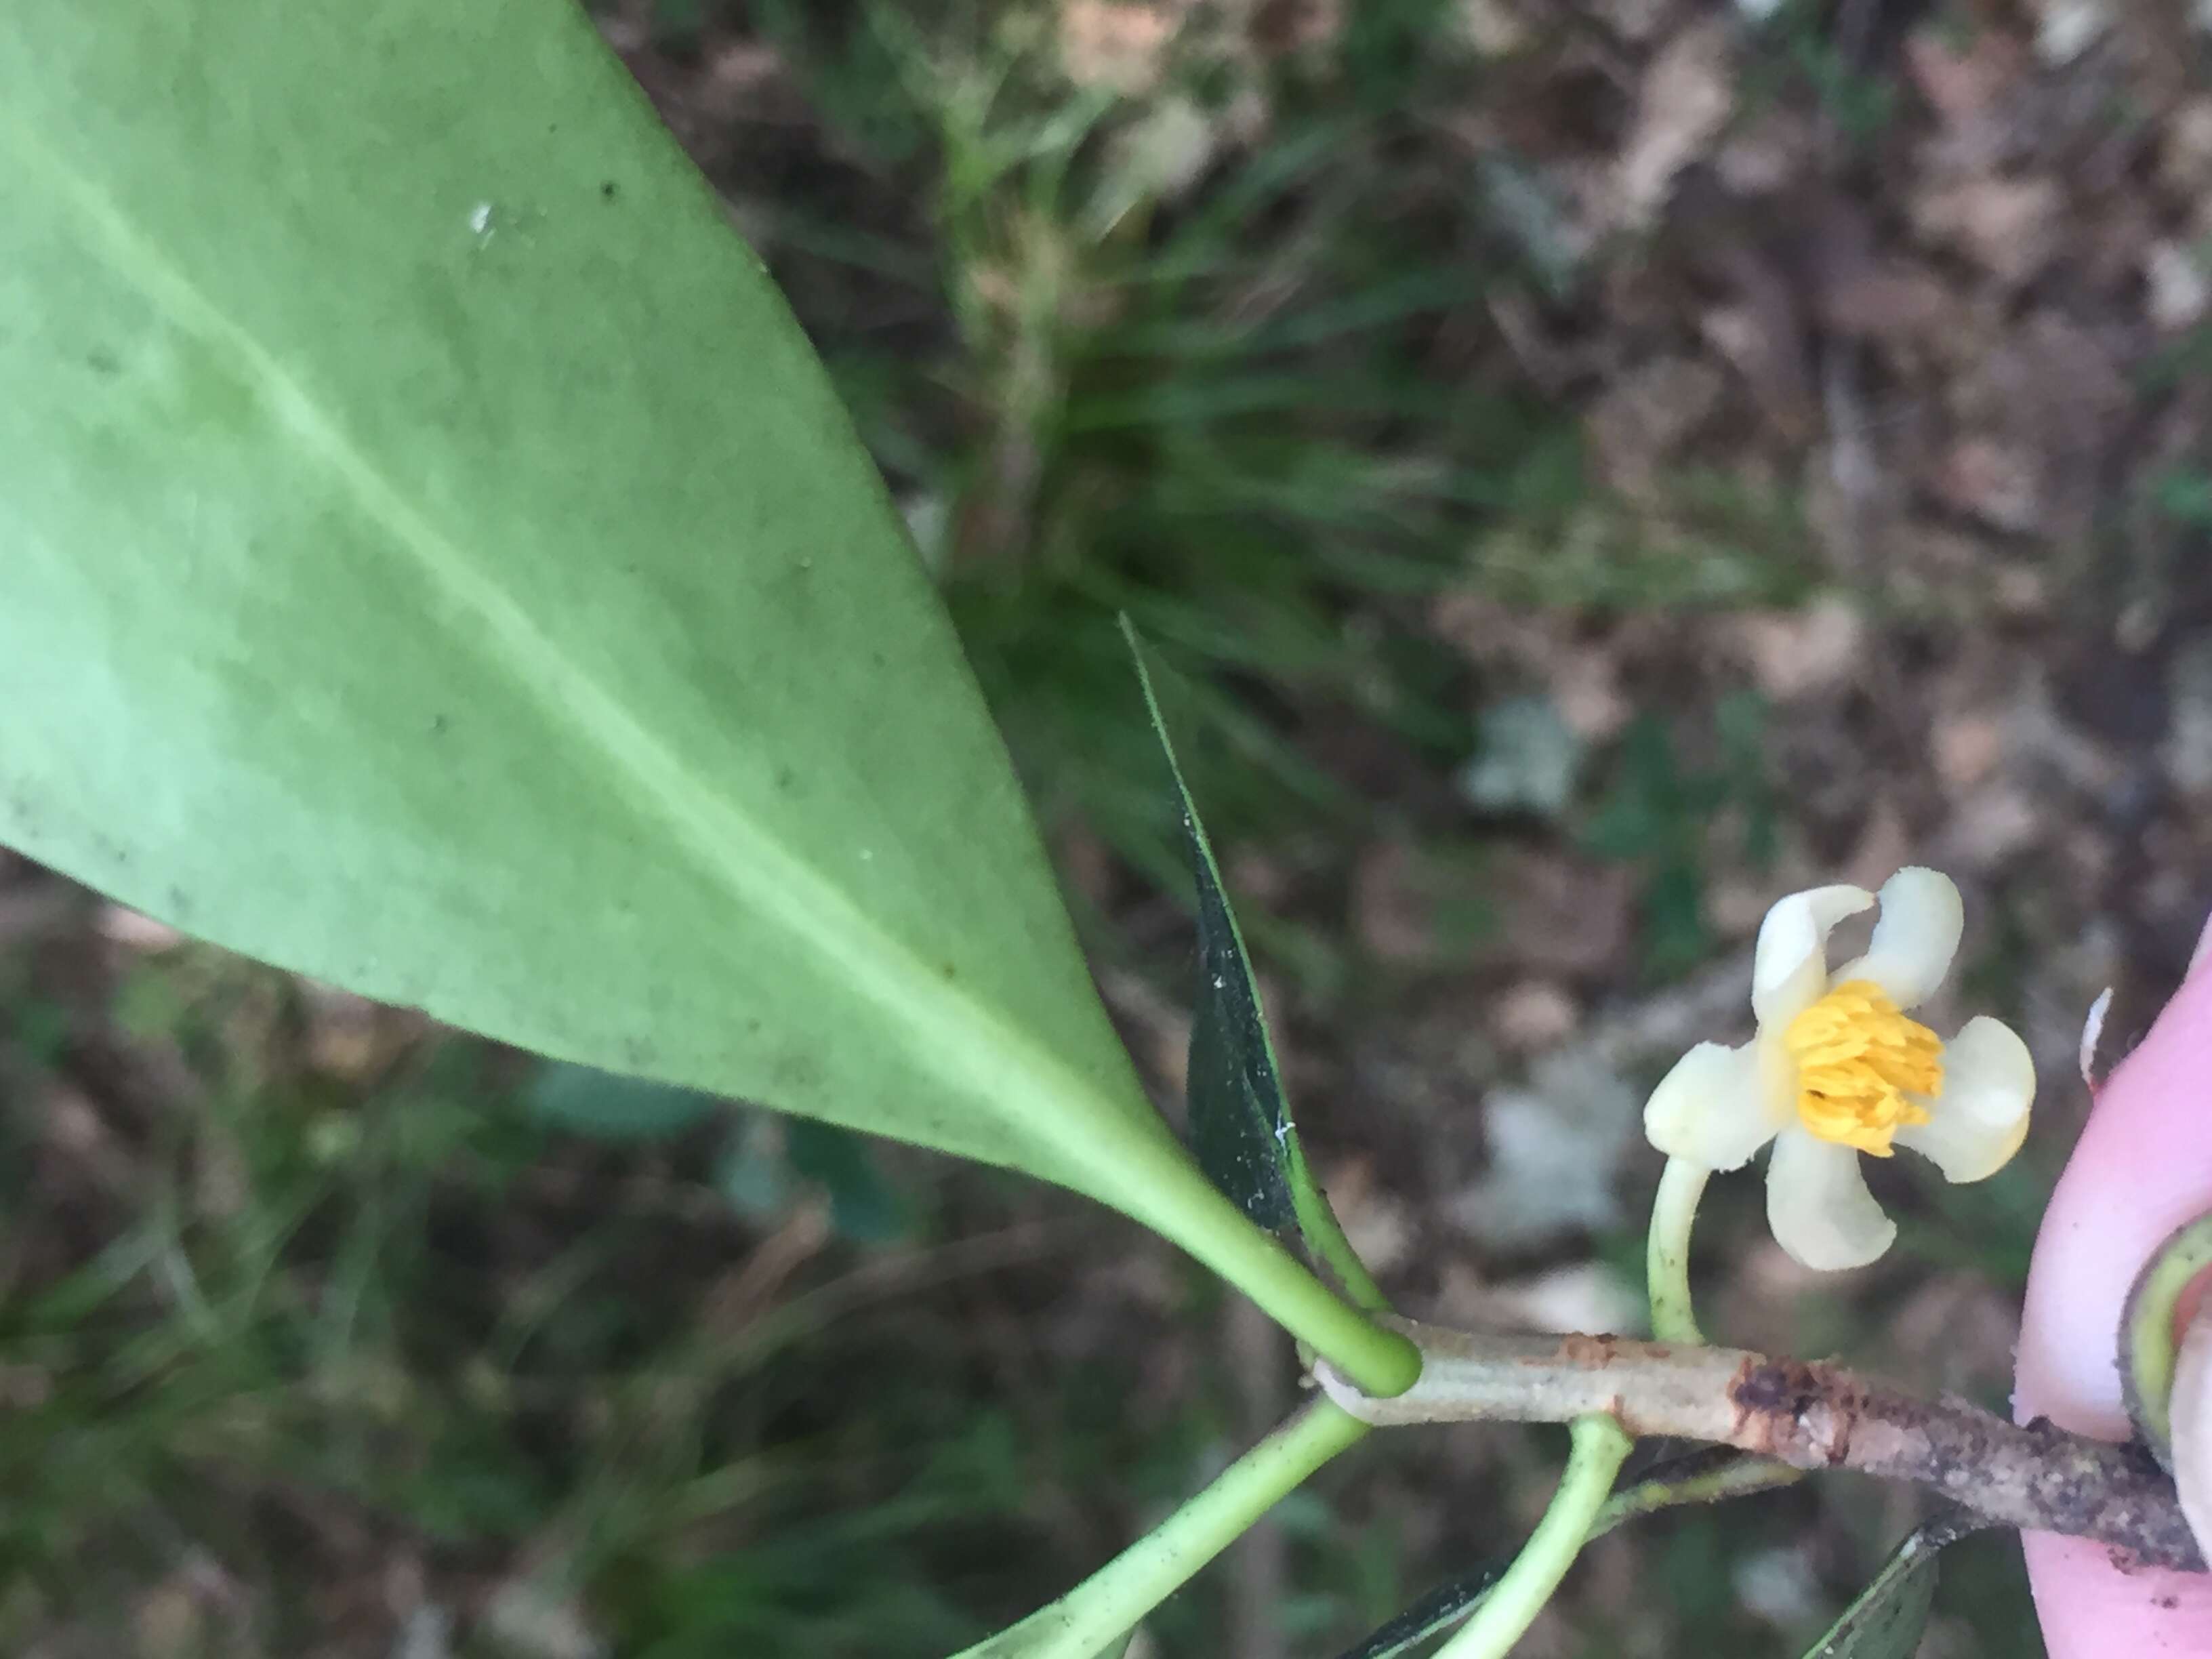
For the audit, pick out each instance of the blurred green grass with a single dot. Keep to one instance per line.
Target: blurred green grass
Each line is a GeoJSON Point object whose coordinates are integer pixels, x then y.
{"type": "Point", "coordinates": [1248, 393]}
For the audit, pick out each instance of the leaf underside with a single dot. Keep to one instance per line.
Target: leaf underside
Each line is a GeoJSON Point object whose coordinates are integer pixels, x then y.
{"type": "Point", "coordinates": [432, 559]}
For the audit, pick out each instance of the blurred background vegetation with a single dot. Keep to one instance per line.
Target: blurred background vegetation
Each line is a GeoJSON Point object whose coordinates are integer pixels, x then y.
{"type": "Point", "coordinates": [1598, 466]}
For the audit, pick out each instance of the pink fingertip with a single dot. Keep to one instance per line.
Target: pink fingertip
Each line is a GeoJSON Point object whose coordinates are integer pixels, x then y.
{"type": "Point", "coordinates": [2090, 1609]}
{"type": "Point", "coordinates": [2142, 1167]}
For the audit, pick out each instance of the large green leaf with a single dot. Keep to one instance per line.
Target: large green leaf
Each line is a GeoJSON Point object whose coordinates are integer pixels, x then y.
{"type": "Point", "coordinates": [431, 558]}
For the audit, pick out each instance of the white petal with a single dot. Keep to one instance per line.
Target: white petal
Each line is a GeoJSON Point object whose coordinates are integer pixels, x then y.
{"type": "Point", "coordinates": [1977, 1122]}
{"type": "Point", "coordinates": [1713, 1109]}
{"type": "Point", "coordinates": [1818, 1204]}
{"type": "Point", "coordinates": [1915, 938]}
{"type": "Point", "coordinates": [1790, 971]}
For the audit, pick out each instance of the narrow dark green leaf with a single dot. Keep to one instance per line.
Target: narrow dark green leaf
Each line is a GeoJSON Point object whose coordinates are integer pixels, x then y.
{"type": "Point", "coordinates": [587, 1101]}
{"type": "Point", "coordinates": [1887, 1619]}
{"type": "Point", "coordinates": [1240, 1125]}
{"type": "Point", "coordinates": [1442, 1608]}
{"type": "Point", "coordinates": [1705, 1476]}
{"type": "Point", "coordinates": [1709, 1474]}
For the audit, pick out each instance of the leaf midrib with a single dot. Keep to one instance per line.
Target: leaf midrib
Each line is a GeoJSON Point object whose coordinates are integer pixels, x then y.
{"type": "Point", "coordinates": [941, 1022]}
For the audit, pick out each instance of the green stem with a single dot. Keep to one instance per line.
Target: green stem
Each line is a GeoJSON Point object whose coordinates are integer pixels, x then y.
{"type": "Point", "coordinates": [1667, 1252]}
{"type": "Point", "coordinates": [1600, 1447]}
{"type": "Point", "coordinates": [1457, 1601]}
{"type": "Point", "coordinates": [1324, 1236]}
{"type": "Point", "coordinates": [1667, 1256]}
{"type": "Point", "coordinates": [1174, 1199]}
{"type": "Point", "coordinates": [1112, 1600]}
{"type": "Point", "coordinates": [1739, 1478]}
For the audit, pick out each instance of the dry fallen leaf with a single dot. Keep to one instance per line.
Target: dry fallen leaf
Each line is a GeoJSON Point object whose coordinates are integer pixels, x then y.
{"type": "Point", "coordinates": [1533, 1015]}
{"type": "Point", "coordinates": [1684, 102]}
{"type": "Point", "coordinates": [1634, 20]}
{"type": "Point", "coordinates": [1556, 1150]}
{"type": "Point", "coordinates": [1991, 480]}
{"type": "Point", "coordinates": [2184, 153]}
{"type": "Point", "coordinates": [1581, 1296]}
{"type": "Point", "coordinates": [1800, 653]}
{"type": "Point", "coordinates": [2176, 290]}
{"type": "Point", "coordinates": [1861, 292]}
{"type": "Point", "coordinates": [2043, 400]}
{"type": "Point", "coordinates": [1963, 79]}
{"type": "Point", "coordinates": [1585, 687]}
{"type": "Point", "coordinates": [1966, 747]}
{"type": "Point", "coordinates": [1769, 152]}
{"type": "Point", "coordinates": [1563, 914]}
{"type": "Point", "coordinates": [2011, 228]}
{"type": "Point", "coordinates": [1991, 827]}
{"type": "Point", "coordinates": [1644, 416]}
{"type": "Point", "coordinates": [1492, 28]}
{"type": "Point", "coordinates": [1884, 845]}
{"type": "Point", "coordinates": [1287, 28]}
{"type": "Point", "coordinates": [2067, 28]}
{"type": "Point", "coordinates": [1120, 45]}
{"type": "Point", "coordinates": [1763, 347]}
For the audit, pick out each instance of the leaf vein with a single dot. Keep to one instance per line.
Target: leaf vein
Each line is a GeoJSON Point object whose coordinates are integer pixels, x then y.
{"type": "Point", "coordinates": [949, 1030]}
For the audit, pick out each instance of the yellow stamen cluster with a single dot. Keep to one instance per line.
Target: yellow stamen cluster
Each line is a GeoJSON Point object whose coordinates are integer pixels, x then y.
{"type": "Point", "coordinates": [1857, 1059]}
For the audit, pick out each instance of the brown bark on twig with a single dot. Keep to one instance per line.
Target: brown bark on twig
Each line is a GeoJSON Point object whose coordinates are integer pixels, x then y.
{"type": "Point", "coordinates": [1810, 1415]}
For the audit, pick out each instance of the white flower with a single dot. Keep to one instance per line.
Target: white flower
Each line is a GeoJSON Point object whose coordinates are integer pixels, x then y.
{"type": "Point", "coordinates": [1837, 1070]}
